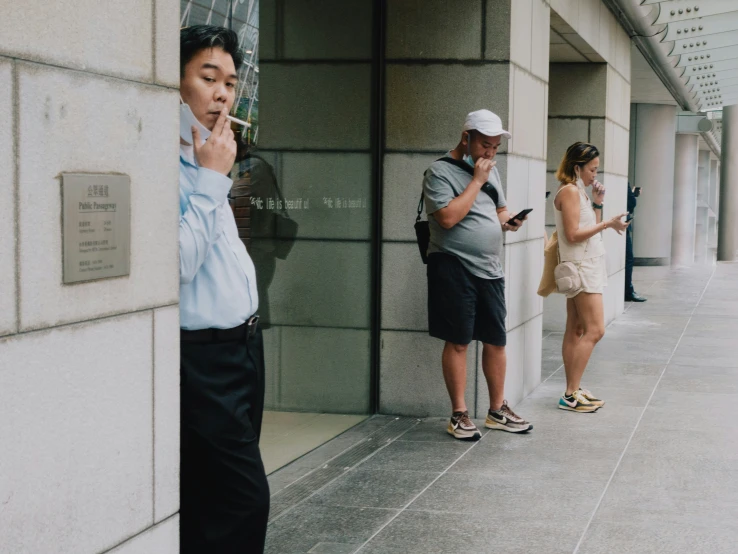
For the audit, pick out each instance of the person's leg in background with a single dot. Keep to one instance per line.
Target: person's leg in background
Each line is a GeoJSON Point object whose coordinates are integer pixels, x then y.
{"type": "Point", "coordinates": [630, 293]}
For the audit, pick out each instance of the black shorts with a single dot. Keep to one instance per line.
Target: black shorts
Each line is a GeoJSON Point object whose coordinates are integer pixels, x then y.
{"type": "Point", "coordinates": [463, 307]}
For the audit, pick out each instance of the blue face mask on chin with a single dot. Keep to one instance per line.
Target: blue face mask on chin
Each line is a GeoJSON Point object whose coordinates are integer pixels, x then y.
{"type": "Point", "coordinates": [468, 157]}
{"type": "Point", "coordinates": [187, 120]}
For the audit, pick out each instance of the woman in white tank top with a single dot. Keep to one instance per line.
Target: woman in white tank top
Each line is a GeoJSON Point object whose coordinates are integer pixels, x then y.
{"type": "Point", "coordinates": [579, 227]}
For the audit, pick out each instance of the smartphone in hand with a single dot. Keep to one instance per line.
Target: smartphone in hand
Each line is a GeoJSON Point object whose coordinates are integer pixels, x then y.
{"type": "Point", "coordinates": [520, 216]}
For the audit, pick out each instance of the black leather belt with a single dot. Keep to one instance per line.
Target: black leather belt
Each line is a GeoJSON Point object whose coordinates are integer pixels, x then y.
{"type": "Point", "coordinates": [243, 331]}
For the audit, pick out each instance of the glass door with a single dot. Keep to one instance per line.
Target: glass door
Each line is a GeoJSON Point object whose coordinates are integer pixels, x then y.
{"type": "Point", "coordinates": [304, 202]}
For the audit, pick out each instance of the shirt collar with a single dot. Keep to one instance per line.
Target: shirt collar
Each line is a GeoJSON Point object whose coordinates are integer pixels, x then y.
{"type": "Point", "coordinates": [187, 155]}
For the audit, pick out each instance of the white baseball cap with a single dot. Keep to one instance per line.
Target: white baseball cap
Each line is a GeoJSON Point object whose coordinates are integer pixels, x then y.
{"type": "Point", "coordinates": [485, 122]}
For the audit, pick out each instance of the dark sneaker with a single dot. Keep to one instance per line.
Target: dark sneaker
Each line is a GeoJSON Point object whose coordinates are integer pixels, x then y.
{"type": "Point", "coordinates": [505, 419]}
{"type": "Point", "coordinates": [463, 428]}
{"type": "Point", "coordinates": [576, 403]}
{"type": "Point", "coordinates": [592, 398]}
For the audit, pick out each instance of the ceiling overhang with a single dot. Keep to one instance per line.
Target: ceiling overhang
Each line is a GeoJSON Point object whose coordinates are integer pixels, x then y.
{"type": "Point", "coordinates": [692, 46]}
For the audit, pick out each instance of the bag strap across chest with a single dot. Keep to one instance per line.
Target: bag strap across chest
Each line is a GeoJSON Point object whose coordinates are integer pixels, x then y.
{"type": "Point", "coordinates": [488, 188]}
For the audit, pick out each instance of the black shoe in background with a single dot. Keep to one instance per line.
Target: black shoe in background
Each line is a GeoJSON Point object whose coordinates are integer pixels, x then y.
{"type": "Point", "coordinates": [634, 297]}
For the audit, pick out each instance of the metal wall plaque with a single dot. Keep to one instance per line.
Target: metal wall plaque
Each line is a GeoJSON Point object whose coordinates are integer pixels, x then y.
{"type": "Point", "coordinates": [96, 222]}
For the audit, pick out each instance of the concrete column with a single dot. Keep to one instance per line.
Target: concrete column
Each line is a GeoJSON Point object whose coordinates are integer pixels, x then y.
{"type": "Point", "coordinates": [685, 200]}
{"type": "Point", "coordinates": [585, 105]}
{"type": "Point", "coordinates": [450, 58]}
{"type": "Point", "coordinates": [728, 222]}
{"type": "Point", "coordinates": [713, 203]}
{"type": "Point", "coordinates": [703, 194]}
{"type": "Point", "coordinates": [712, 199]}
{"type": "Point", "coordinates": [652, 148]}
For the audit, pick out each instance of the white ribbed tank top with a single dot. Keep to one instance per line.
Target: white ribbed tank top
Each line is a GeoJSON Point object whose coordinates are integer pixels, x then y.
{"type": "Point", "coordinates": [578, 251]}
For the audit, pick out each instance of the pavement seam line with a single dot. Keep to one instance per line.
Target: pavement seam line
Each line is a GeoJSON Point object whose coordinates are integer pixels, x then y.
{"type": "Point", "coordinates": [337, 477]}
{"type": "Point", "coordinates": [328, 461]}
{"type": "Point", "coordinates": [648, 402]}
{"type": "Point", "coordinates": [414, 498]}
{"type": "Point", "coordinates": [464, 454]}
{"type": "Point", "coordinates": [562, 365]}
{"type": "Point", "coordinates": [613, 321]}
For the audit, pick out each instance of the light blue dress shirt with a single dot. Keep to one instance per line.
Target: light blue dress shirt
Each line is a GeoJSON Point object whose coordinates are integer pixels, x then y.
{"type": "Point", "coordinates": [216, 275]}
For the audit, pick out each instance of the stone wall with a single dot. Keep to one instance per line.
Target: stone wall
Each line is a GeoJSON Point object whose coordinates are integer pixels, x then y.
{"type": "Point", "coordinates": [89, 373]}
{"type": "Point", "coordinates": [444, 61]}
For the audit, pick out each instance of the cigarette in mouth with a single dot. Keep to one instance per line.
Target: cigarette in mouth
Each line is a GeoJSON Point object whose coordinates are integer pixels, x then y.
{"type": "Point", "coordinates": [239, 121]}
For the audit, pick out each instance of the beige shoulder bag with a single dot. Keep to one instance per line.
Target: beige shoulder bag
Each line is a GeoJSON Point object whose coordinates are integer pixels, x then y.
{"type": "Point", "coordinates": [568, 279]}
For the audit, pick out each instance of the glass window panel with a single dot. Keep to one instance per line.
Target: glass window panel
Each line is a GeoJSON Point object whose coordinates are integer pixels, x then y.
{"type": "Point", "coordinates": [303, 197]}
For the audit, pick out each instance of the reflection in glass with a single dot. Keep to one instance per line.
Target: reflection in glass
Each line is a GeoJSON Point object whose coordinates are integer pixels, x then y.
{"type": "Point", "coordinates": [265, 223]}
{"type": "Point", "coordinates": [304, 206]}
{"type": "Point", "coordinates": [316, 105]}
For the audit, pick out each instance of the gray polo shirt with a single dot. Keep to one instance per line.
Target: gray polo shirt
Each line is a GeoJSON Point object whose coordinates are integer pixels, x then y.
{"type": "Point", "coordinates": [477, 239]}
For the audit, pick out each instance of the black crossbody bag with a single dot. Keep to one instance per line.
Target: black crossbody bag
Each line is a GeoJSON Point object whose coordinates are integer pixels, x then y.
{"type": "Point", "coordinates": [422, 229]}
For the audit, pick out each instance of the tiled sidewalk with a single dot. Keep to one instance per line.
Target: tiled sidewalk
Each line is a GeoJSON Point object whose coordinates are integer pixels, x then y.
{"type": "Point", "coordinates": [655, 470]}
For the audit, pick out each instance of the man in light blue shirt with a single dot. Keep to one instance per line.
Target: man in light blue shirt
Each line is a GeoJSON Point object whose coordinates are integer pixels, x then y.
{"type": "Point", "coordinates": [217, 276]}
{"type": "Point", "coordinates": [224, 490]}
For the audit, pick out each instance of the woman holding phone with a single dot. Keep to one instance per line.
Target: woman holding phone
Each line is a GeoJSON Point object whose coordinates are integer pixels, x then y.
{"type": "Point", "coordinates": [579, 226]}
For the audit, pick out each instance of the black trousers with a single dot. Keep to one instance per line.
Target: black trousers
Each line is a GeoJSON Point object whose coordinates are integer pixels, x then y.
{"type": "Point", "coordinates": [224, 489]}
{"type": "Point", "coordinates": [629, 260]}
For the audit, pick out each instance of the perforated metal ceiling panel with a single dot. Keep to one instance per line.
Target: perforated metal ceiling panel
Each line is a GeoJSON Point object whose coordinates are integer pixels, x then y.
{"type": "Point", "coordinates": [701, 38]}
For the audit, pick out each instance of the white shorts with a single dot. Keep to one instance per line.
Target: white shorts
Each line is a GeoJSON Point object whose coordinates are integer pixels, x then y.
{"type": "Point", "coordinates": [593, 272]}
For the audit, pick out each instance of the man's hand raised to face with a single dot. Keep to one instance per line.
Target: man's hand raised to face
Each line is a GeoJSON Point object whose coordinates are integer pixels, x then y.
{"type": "Point", "coordinates": [219, 151]}
{"type": "Point", "coordinates": [482, 169]}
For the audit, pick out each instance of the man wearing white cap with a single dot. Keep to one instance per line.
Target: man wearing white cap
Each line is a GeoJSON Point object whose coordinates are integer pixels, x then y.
{"type": "Point", "coordinates": [467, 214]}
